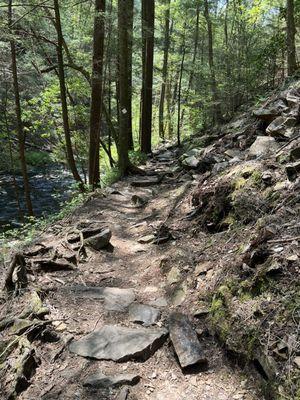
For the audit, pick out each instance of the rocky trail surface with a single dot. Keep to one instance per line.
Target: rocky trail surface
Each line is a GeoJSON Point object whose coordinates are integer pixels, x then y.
{"type": "Point", "coordinates": [114, 312]}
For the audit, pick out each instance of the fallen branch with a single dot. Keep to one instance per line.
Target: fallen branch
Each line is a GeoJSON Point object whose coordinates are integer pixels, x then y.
{"type": "Point", "coordinates": [284, 240]}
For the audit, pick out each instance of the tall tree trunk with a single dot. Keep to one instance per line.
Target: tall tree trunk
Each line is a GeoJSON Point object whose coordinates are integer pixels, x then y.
{"type": "Point", "coordinates": [20, 130]}
{"type": "Point", "coordinates": [130, 6]}
{"type": "Point", "coordinates": [165, 68]}
{"type": "Point", "coordinates": [291, 31]}
{"type": "Point", "coordinates": [124, 21]}
{"type": "Point", "coordinates": [96, 96]}
{"type": "Point", "coordinates": [192, 67]}
{"type": "Point", "coordinates": [63, 95]}
{"type": "Point", "coordinates": [183, 50]}
{"type": "Point", "coordinates": [148, 48]}
{"type": "Point", "coordinates": [217, 115]}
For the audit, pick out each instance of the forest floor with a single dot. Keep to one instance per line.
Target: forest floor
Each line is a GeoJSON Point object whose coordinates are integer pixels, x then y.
{"type": "Point", "coordinates": [144, 267]}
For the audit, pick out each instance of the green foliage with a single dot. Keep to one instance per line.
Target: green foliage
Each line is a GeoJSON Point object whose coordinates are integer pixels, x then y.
{"type": "Point", "coordinates": [38, 158]}
{"type": "Point", "coordinates": [137, 157]}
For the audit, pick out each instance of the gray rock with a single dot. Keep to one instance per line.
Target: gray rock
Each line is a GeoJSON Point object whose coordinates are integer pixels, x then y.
{"type": "Point", "coordinates": [279, 126]}
{"type": "Point", "coordinates": [143, 314]}
{"type": "Point", "coordinates": [100, 380]}
{"type": "Point", "coordinates": [147, 181]}
{"type": "Point", "coordinates": [293, 97]}
{"type": "Point", "coordinates": [185, 341]}
{"type": "Point", "coordinates": [120, 343]}
{"type": "Point", "coordinates": [271, 111]}
{"type": "Point", "coordinates": [263, 146]}
{"type": "Point", "coordinates": [115, 299]}
{"type": "Point", "coordinates": [160, 302]}
{"type": "Point", "coordinates": [100, 240]}
{"type": "Point", "coordinates": [123, 394]}
{"type": "Point", "coordinates": [173, 276]}
{"type": "Point", "coordinates": [146, 239]}
{"type": "Point", "coordinates": [191, 162]}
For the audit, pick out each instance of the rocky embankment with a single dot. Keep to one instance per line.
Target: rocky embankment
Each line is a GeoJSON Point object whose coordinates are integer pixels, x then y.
{"type": "Point", "coordinates": [251, 186]}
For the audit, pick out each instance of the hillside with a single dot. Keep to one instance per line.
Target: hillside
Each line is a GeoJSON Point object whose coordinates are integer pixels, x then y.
{"type": "Point", "coordinates": [203, 252]}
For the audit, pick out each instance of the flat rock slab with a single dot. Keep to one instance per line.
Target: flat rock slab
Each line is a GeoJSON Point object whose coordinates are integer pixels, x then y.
{"type": "Point", "coordinates": [143, 314]}
{"type": "Point", "coordinates": [115, 299]}
{"type": "Point", "coordinates": [100, 380]}
{"type": "Point", "coordinates": [145, 182]}
{"type": "Point", "coordinates": [120, 343]}
{"type": "Point", "coordinates": [185, 341]}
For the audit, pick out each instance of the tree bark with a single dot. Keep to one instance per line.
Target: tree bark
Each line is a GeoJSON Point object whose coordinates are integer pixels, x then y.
{"type": "Point", "coordinates": [196, 43]}
{"type": "Point", "coordinates": [148, 48]}
{"type": "Point", "coordinates": [20, 130]}
{"type": "Point", "coordinates": [165, 68]}
{"type": "Point", "coordinates": [124, 22]}
{"type": "Point", "coordinates": [96, 96]}
{"type": "Point", "coordinates": [130, 6]}
{"type": "Point", "coordinates": [183, 50]}
{"type": "Point", "coordinates": [291, 31]}
{"type": "Point", "coordinates": [217, 115]}
{"type": "Point", "coordinates": [63, 96]}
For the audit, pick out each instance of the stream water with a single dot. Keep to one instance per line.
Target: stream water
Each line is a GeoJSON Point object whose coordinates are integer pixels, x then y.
{"type": "Point", "coordinates": [50, 187]}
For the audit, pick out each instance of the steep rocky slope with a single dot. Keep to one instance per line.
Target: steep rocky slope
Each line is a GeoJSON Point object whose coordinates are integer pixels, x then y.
{"type": "Point", "coordinates": [251, 189]}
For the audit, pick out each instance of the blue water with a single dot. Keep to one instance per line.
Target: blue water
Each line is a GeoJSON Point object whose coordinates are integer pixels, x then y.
{"type": "Point", "coordinates": [49, 189]}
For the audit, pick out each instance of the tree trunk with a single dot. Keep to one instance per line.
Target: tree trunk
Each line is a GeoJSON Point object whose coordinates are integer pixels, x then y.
{"type": "Point", "coordinates": [124, 22]}
{"type": "Point", "coordinates": [96, 96]}
{"type": "Point", "coordinates": [183, 50]}
{"type": "Point", "coordinates": [291, 31]}
{"type": "Point", "coordinates": [148, 48]}
{"type": "Point", "coordinates": [20, 130]}
{"type": "Point", "coordinates": [165, 68]}
{"type": "Point", "coordinates": [130, 7]}
{"type": "Point", "coordinates": [217, 115]}
{"type": "Point", "coordinates": [196, 43]}
{"type": "Point", "coordinates": [63, 96]}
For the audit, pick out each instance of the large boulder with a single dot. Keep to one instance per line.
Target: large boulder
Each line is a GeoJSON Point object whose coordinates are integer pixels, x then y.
{"type": "Point", "coordinates": [263, 146]}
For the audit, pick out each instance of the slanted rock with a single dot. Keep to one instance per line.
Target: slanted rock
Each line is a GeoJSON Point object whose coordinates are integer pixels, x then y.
{"type": "Point", "coordinates": [100, 380]}
{"type": "Point", "coordinates": [99, 241]}
{"type": "Point", "coordinates": [115, 299]}
{"type": "Point", "coordinates": [173, 276]}
{"type": "Point", "coordinates": [143, 314]}
{"type": "Point", "coordinates": [120, 343]}
{"type": "Point", "coordinates": [279, 126]}
{"type": "Point", "coordinates": [185, 341]}
{"type": "Point", "coordinates": [263, 146]}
